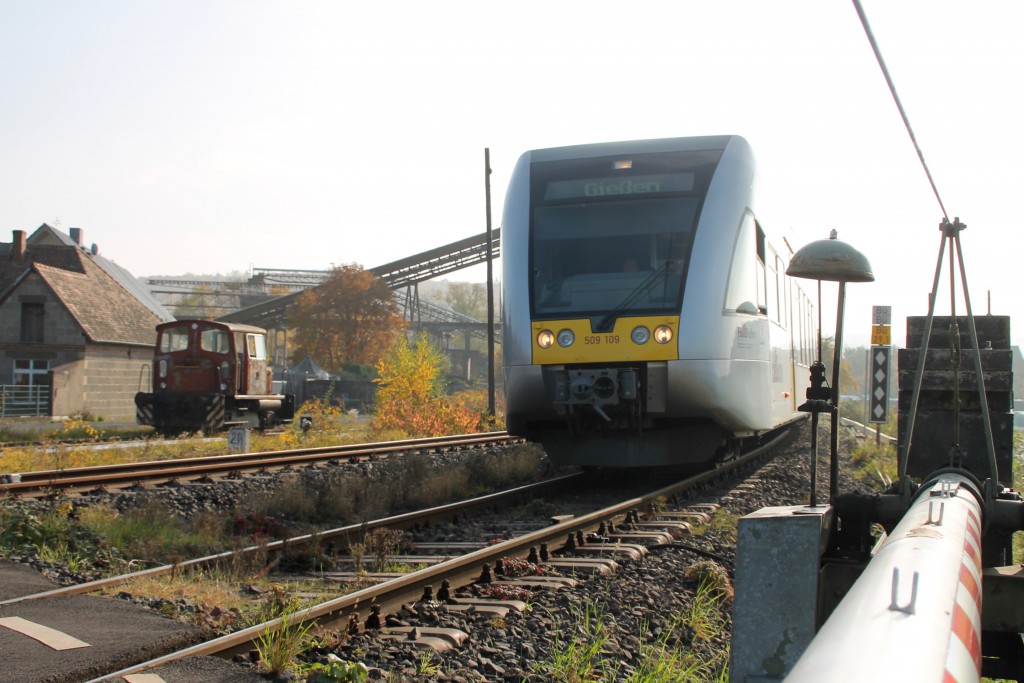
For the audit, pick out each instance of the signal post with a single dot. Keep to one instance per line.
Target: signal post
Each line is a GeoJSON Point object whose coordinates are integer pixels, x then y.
{"type": "Point", "coordinates": [879, 368]}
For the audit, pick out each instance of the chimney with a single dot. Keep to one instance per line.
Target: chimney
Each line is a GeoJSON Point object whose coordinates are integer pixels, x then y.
{"type": "Point", "coordinates": [76, 235]}
{"type": "Point", "coordinates": [18, 248]}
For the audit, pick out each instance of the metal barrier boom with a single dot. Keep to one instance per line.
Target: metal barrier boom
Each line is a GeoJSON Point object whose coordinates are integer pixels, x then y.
{"type": "Point", "coordinates": [915, 612]}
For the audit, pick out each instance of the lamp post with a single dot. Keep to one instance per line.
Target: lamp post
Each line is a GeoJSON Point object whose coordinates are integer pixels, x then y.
{"type": "Point", "coordinates": [833, 261]}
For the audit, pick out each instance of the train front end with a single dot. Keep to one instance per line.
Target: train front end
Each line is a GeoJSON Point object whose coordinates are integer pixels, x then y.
{"type": "Point", "coordinates": [209, 375]}
{"type": "Point", "coordinates": [604, 364]}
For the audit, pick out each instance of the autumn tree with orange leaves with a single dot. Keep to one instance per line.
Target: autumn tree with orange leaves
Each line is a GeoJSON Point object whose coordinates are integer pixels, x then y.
{"type": "Point", "coordinates": [351, 317]}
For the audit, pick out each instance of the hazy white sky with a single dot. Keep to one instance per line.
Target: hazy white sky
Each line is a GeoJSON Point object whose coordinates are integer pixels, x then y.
{"type": "Point", "coordinates": [209, 137]}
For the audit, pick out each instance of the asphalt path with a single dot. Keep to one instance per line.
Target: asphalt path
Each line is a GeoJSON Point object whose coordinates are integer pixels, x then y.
{"type": "Point", "coordinates": [99, 634]}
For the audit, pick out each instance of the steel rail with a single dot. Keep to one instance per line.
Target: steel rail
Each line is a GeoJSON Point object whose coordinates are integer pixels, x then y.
{"type": "Point", "coordinates": [458, 571]}
{"type": "Point", "coordinates": [130, 473]}
{"type": "Point", "coordinates": [401, 521]}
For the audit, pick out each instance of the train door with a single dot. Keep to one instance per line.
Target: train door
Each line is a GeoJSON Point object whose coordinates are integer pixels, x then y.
{"type": "Point", "coordinates": [256, 364]}
{"type": "Point", "coordinates": [241, 381]}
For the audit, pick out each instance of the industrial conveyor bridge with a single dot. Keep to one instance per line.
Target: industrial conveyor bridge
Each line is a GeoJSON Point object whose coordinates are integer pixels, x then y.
{"type": "Point", "coordinates": [274, 290]}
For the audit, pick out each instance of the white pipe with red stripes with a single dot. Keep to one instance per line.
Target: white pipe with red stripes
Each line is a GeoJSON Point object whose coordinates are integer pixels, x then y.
{"type": "Point", "coordinates": [915, 612]}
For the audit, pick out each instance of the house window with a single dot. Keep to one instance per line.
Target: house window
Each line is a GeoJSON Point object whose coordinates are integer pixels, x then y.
{"type": "Point", "coordinates": [31, 373]}
{"type": "Point", "coordinates": [31, 322]}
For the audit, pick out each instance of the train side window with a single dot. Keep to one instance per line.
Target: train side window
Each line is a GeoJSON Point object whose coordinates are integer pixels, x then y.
{"type": "Point", "coordinates": [783, 292]}
{"type": "Point", "coordinates": [772, 287]}
{"type": "Point", "coordinates": [174, 339]}
{"type": "Point", "coordinates": [743, 294]}
{"type": "Point", "coordinates": [762, 280]}
{"type": "Point", "coordinates": [215, 341]}
{"type": "Point", "coordinates": [257, 346]}
{"type": "Point", "coordinates": [802, 321]}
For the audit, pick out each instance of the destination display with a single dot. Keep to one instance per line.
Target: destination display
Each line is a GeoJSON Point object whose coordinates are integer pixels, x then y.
{"type": "Point", "coordinates": [615, 187]}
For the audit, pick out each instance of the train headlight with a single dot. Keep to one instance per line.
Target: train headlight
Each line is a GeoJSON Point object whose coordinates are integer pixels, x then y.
{"type": "Point", "coordinates": [545, 339]}
{"type": "Point", "coordinates": [162, 368]}
{"type": "Point", "coordinates": [566, 338]}
{"type": "Point", "coordinates": [640, 335]}
{"type": "Point", "coordinates": [663, 334]}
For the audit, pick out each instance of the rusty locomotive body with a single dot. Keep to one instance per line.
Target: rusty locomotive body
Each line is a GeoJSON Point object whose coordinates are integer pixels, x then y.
{"type": "Point", "coordinates": [210, 375]}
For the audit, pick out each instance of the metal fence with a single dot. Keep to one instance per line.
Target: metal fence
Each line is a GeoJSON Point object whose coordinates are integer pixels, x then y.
{"type": "Point", "coordinates": [22, 401]}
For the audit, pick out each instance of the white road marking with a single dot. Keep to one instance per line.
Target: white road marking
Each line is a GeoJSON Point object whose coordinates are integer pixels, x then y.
{"type": "Point", "coordinates": [51, 637]}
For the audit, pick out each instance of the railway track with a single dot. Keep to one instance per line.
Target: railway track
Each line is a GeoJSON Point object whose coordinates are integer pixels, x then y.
{"type": "Point", "coordinates": [562, 544]}
{"type": "Point", "coordinates": [123, 475]}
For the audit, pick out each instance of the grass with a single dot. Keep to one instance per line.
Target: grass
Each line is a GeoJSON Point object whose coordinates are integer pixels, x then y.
{"type": "Point", "coordinates": [405, 484]}
{"type": "Point", "coordinates": [19, 430]}
{"type": "Point", "coordinates": [280, 649]}
{"type": "Point", "coordinates": [60, 553]}
{"type": "Point", "coordinates": [52, 454]}
{"type": "Point", "coordinates": [148, 533]}
{"type": "Point", "coordinates": [330, 429]}
{"type": "Point", "coordinates": [578, 658]}
{"type": "Point", "coordinates": [856, 410]}
{"type": "Point", "coordinates": [681, 653]}
{"type": "Point", "coordinates": [1018, 485]}
{"type": "Point", "coordinates": [878, 464]}
{"type": "Point", "coordinates": [723, 525]}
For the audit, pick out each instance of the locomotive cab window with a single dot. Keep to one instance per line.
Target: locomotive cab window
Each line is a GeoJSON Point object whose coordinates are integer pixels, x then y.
{"type": "Point", "coordinates": [174, 339]}
{"type": "Point", "coordinates": [614, 233]}
{"type": "Point", "coordinates": [257, 346]}
{"type": "Point", "coordinates": [215, 341]}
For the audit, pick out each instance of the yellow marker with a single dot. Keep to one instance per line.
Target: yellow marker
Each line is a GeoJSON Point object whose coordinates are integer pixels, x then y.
{"type": "Point", "coordinates": [881, 335]}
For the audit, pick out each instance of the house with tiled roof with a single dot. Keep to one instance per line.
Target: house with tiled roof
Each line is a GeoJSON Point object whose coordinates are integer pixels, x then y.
{"type": "Point", "coordinates": [76, 330]}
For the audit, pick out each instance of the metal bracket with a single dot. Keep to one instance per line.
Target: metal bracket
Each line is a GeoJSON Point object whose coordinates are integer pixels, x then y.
{"type": "Point", "coordinates": [909, 607]}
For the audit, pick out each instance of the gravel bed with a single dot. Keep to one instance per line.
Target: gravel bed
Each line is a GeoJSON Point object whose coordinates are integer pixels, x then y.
{"type": "Point", "coordinates": [223, 495]}
{"type": "Point", "coordinates": [635, 607]}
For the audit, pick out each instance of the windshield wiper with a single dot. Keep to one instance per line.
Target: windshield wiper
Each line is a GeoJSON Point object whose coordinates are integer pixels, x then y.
{"type": "Point", "coordinates": [606, 323]}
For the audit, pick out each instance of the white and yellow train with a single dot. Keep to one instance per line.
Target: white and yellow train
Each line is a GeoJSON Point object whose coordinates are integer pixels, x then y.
{"type": "Point", "coordinates": [647, 320]}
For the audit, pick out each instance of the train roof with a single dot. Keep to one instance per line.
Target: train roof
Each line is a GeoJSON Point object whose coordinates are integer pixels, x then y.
{"type": "Point", "coordinates": [600, 149]}
{"type": "Point", "coordinates": [231, 327]}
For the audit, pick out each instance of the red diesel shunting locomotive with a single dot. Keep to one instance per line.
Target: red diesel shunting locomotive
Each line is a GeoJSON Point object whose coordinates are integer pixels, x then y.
{"type": "Point", "coordinates": [210, 375]}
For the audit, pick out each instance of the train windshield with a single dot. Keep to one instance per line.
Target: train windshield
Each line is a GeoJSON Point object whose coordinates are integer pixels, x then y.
{"type": "Point", "coordinates": [174, 339]}
{"type": "Point", "coordinates": [613, 234]}
{"type": "Point", "coordinates": [215, 341]}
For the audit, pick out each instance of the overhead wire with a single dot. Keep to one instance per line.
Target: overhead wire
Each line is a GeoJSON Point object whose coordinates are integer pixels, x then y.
{"type": "Point", "coordinates": [896, 99]}
{"type": "Point", "coordinates": [951, 232]}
